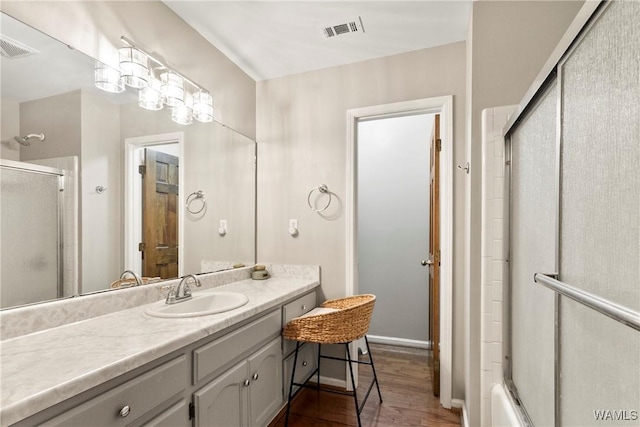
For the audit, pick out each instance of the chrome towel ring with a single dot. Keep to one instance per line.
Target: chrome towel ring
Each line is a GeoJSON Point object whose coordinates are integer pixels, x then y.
{"type": "Point", "coordinates": [323, 189]}
{"type": "Point", "coordinates": [192, 198]}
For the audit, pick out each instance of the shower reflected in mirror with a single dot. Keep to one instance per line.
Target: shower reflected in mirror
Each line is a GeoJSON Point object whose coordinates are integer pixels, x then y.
{"type": "Point", "coordinates": [24, 140]}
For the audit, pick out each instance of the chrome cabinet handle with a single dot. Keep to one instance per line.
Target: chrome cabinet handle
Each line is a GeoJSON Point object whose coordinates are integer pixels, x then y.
{"type": "Point", "coordinates": [304, 307]}
{"type": "Point", "coordinates": [125, 411]}
{"type": "Point", "coordinates": [255, 377]}
{"type": "Point", "coordinates": [304, 363]}
{"type": "Point", "coordinates": [246, 383]}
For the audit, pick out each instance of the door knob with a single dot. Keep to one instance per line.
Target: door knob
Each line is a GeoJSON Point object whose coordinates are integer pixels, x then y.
{"type": "Point", "coordinates": [426, 262]}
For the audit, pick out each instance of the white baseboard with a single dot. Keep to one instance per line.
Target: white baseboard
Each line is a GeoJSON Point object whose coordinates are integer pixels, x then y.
{"type": "Point", "coordinates": [334, 382]}
{"type": "Point", "coordinates": [459, 403]}
{"type": "Point", "coordinates": [402, 342]}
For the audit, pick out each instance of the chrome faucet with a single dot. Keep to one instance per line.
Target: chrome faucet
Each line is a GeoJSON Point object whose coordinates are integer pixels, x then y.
{"type": "Point", "coordinates": [137, 278]}
{"type": "Point", "coordinates": [174, 294]}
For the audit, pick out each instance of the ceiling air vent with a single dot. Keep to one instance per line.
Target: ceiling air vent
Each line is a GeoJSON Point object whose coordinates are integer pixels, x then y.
{"type": "Point", "coordinates": [354, 26]}
{"type": "Point", "coordinates": [12, 49]}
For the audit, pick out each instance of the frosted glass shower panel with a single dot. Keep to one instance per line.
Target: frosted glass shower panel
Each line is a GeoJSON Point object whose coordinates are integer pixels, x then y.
{"type": "Point", "coordinates": [600, 215]}
{"type": "Point", "coordinates": [29, 212]}
{"type": "Point", "coordinates": [533, 249]}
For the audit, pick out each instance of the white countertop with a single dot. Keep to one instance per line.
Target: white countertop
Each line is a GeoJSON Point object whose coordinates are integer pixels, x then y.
{"type": "Point", "coordinates": [44, 368]}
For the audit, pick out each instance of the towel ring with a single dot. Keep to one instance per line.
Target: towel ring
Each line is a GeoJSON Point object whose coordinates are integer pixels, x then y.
{"type": "Point", "coordinates": [321, 189]}
{"type": "Point", "coordinates": [193, 197]}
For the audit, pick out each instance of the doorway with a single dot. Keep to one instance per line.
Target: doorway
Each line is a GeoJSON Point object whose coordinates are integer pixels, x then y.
{"type": "Point", "coordinates": [393, 217]}
{"type": "Point", "coordinates": [444, 107]}
{"type": "Point", "coordinates": [165, 179]}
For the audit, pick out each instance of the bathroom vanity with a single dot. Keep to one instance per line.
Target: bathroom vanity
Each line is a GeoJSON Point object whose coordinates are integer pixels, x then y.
{"type": "Point", "coordinates": [129, 368]}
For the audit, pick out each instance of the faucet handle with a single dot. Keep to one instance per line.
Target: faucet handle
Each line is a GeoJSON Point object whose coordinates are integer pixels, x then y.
{"type": "Point", "coordinates": [172, 294]}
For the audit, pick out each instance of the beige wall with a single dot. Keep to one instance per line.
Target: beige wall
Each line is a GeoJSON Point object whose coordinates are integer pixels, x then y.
{"type": "Point", "coordinates": [302, 144]}
{"type": "Point", "coordinates": [101, 214]}
{"type": "Point", "coordinates": [58, 117]}
{"type": "Point", "coordinates": [95, 28]}
{"type": "Point", "coordinates": [9, 127]}
{"type": "Point", "coordinates": [509, 43]}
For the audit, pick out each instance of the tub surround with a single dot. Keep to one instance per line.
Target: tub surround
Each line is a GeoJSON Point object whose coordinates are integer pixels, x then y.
{"type": "Point", "coordinates": [110, 334]}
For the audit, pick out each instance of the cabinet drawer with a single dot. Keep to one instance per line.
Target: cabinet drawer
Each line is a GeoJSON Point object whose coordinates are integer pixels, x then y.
{"type": "Point", "coordinates": [211, 357]}
{"type": "Point", "coordinates": [175, 416]}
{"type": "Point", "coordinates": [307, 362]}
{"type": "Point", "coordinates": [140, 394]}
{"type": "Point", "coordinates": [296, 308]}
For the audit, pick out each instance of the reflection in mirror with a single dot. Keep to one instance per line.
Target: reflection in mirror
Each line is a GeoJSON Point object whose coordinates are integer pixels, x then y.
{"type": "Point", "coordinates": [77, 217]}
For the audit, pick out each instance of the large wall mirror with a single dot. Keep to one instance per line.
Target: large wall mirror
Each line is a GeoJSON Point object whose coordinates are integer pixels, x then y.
{"type": "Point", "coordinates": [93, 185]}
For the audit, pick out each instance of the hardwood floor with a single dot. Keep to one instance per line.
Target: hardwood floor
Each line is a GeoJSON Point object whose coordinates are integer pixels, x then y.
{"type": "Point", "coordinates": [405, 384]}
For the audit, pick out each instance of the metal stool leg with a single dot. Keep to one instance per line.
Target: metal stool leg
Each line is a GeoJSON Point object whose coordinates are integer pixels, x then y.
{"type": "Point", "coordinates": [293, 376]}
{"type": "Point", "coordinates": [353, 384]}
{"type": "Point", "coordinates": [318, 365]}
{"type": "Point", "coordinates": [373, 368]}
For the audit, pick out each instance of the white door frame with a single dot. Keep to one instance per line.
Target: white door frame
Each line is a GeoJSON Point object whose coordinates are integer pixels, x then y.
{"type": "Point", "coordinates": [444, 106]}
{"type": "Point", "coordinates": [133, 197]}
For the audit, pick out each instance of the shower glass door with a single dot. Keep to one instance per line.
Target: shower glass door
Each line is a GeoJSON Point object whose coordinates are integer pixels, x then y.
{"type": "Point", "coordinates": [30, 233]}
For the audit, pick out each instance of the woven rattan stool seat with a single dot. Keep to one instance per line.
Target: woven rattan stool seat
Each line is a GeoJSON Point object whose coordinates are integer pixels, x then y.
{"type": "Point", "coordinates": [349, 322]}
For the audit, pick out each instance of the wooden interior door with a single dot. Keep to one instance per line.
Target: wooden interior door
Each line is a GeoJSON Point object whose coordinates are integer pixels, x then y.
{"type": "Point", "coordinates": [434, 253]}
{"type": "Point", "coordinates": [159, 215]}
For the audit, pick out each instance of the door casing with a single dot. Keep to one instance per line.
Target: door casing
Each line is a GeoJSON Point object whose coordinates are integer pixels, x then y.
{"type": "Point", "coordinates": [133, 197]}
{"type": "Point", "coordinates": [444, 106]}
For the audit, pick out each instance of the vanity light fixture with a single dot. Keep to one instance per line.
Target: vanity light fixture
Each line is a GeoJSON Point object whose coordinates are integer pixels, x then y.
{"type": "Point", "coordinates": [108, 78]}
{"type": "Point", "coordinates": [172, 88]}
{"type": "Point", "coordinates": [134, 67]}
{"type": "Point", "coordinates": [203, 106]}
{"type": "Point", "coordinates": [138, 70]}
{"type": "Point", "coordinates": [183, 114]}
{"type": "Point", "coordinates": [150, 97]}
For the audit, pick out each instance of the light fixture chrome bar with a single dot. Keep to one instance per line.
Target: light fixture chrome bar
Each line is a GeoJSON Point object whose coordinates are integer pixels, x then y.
{"type": "Point", "coordinates": [622, 314]}
{"type": "Point", "coordinates": [162, 64]}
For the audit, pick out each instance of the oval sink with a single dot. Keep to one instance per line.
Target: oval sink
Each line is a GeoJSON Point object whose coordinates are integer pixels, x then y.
{"type": "Point", "coordinates": [201, 304]}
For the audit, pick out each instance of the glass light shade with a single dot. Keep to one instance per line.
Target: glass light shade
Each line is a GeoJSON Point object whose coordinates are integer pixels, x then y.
{"type": "Point", "coordinates": [151, 96]}
{"type": "Point", "coordinates": [183, 114]}
{"type": "Point", "coordinates": [172, 89]}
{"type": "Point", "coordinates": [108, 78]}
{"type": "Point", "coordinates": [134, 67]}
{"type": "Point", "coordinates": [203, 107]}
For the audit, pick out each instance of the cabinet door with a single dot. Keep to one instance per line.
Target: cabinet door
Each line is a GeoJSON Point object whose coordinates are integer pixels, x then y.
{"type": "Point", "coordinates": [265, 392]}
{"type": "Point", "coordinates": [223, 402]}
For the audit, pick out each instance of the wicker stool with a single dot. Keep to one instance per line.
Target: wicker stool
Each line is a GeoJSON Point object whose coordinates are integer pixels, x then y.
{"type": "Point", "coordinates": [338, 321]}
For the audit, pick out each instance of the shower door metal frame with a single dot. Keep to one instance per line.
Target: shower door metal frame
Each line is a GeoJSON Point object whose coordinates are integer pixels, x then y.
{"type": "Point", "coordinates": [61, 174]}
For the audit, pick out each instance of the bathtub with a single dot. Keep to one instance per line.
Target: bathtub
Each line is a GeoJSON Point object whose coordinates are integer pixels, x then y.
{"type": "Point", "coordinates": [503, 410]}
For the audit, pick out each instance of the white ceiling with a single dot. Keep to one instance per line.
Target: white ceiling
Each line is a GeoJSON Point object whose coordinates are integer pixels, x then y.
{"type": "Point", "coordinates": [269, 39]}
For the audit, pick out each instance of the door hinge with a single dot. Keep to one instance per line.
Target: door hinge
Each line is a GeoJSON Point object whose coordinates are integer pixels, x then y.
{"type": "Point", "coordinates": [142, 169]}
{"type": "Point", "coordinates": [439, 144]}
{"type": "Point", "coordinates": [192, 411]}
{"type": "Point", "coordinates": [141, 247]}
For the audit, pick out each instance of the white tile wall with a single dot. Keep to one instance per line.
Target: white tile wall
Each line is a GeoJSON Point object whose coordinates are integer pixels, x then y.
{"type": "Point", "coordinates": [493, 120]}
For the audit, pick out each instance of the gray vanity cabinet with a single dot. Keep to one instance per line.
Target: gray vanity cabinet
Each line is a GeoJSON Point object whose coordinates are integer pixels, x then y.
{"type": "Point", "coordinates": [248, 394]}
{"type": "Point", "coordinates": [234, 378]}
